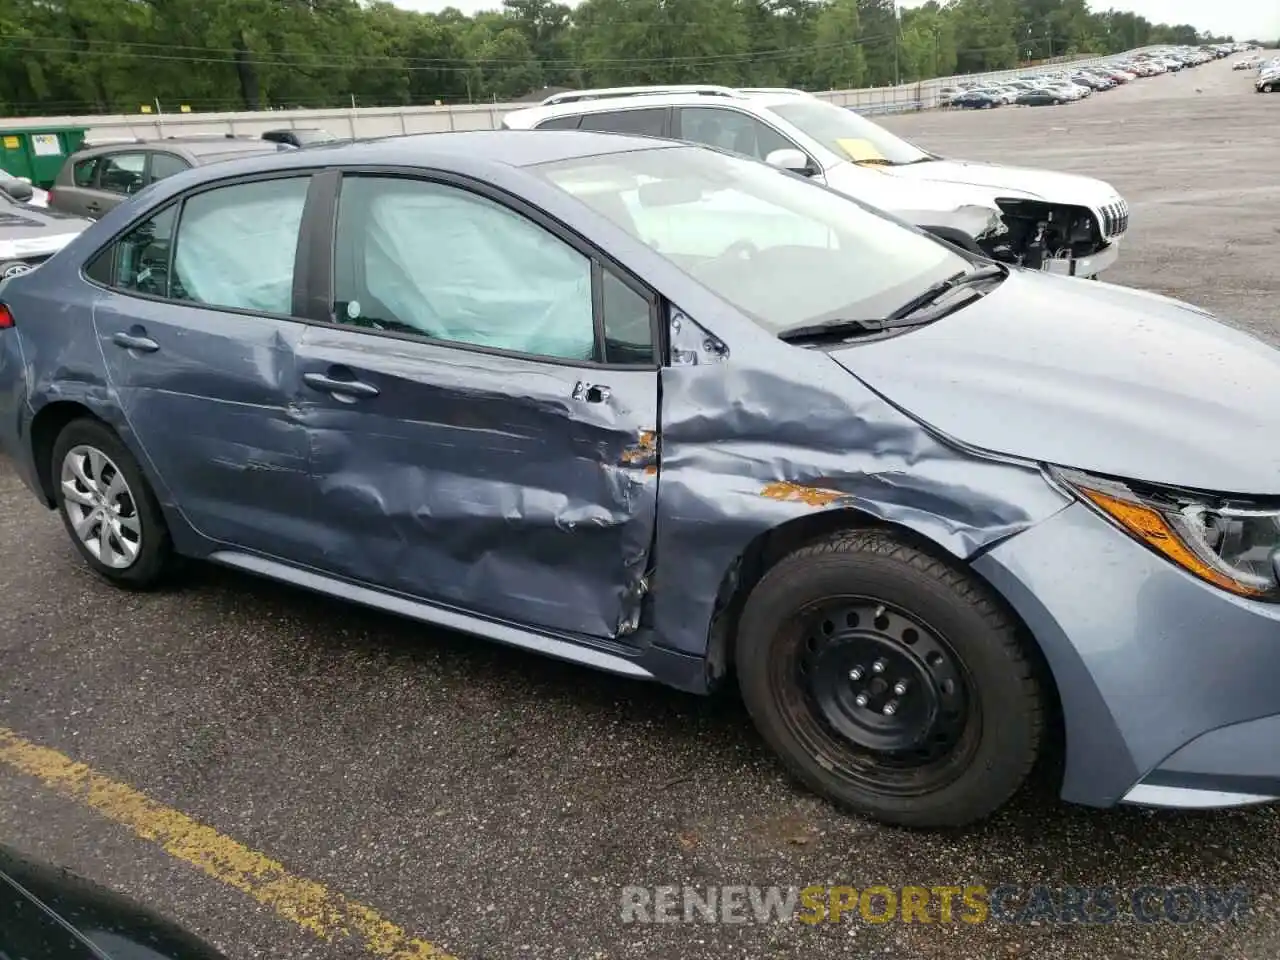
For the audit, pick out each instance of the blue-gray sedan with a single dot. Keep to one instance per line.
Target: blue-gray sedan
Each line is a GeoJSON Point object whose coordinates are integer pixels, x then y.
{"type": "Point", "coordinates": [677, 415]}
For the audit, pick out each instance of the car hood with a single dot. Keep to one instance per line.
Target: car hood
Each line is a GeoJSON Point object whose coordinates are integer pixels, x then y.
{"type": "Point", "coordinates": [970, 209]}
{"type": "Point", "coordinates": [1013, 182]}
{"type": "Point", "coordinates": [1089, 375]}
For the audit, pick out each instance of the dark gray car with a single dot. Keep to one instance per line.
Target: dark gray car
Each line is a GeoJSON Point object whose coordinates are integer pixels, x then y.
{"type": "Point", "coordinates": [674, 414]}
{"type": "Point", "coordinates": [99, 178]}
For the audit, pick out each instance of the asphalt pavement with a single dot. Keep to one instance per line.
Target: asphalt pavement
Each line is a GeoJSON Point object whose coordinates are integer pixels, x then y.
{"type": "Point", "coordinates": [495, 804]}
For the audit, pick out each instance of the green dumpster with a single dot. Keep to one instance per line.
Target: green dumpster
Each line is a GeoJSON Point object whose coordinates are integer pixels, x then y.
{"type": "Point", "coordinates": [38, 153]}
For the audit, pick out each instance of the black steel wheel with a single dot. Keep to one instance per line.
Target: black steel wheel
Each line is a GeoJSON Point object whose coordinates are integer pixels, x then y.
{"type": "Point", "coordinates": [884, 684]}
{"type": "Point", "coordinates": [890, 681]}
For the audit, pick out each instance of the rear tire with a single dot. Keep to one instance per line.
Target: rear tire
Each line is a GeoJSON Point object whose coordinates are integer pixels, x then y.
{"type": "Point", "coordinates": [865, 614]}
{"type": "Point", "coordinates": [98, 486]}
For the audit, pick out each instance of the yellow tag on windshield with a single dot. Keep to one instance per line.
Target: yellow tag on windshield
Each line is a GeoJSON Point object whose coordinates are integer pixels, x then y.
{"type": "Point", "coordinates": [860, 151]}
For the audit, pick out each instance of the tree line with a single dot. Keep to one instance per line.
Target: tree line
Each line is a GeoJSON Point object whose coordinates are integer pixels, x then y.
{"type": "Point", "coordinates": [113, 56]}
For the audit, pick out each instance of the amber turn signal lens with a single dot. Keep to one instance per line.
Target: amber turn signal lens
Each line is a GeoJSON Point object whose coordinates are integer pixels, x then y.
{"type": "Point", "coordinates": [1152, 529]}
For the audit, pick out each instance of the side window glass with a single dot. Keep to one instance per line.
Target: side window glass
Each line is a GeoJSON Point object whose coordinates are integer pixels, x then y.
{"type": "Point", "coordinates": [646, 123]}
{"type": "Point", "coordinates": [628, 335]}
{"type": "Point", "coordinates": [236, 245]}
{"type": "Point", "coordinates": [441, 262]}
{"type": "Point", "coordinates": [569, 122]}
{"type": "Point", "coordinates": [166, 165]}
{"type": "Point", "coordinates": [731, 130]}
{"type": "Point", "coordinates": [139, 261]}
{"type": "Point", "coordinates": [84, 172]}
{"type": "Point", "coordinates": [122, 173]}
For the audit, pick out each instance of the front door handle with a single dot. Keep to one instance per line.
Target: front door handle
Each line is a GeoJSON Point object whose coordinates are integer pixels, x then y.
{"type": "Point", "coordinates": [591, 392]}
{"type": "Point", "coordinates": [135, 341]}
{"type": "Point", "coordinates": [354, 389]}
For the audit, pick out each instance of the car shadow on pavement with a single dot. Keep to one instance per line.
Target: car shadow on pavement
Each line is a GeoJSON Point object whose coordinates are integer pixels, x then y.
{"type": "Point", "coordinates": [720, 724]}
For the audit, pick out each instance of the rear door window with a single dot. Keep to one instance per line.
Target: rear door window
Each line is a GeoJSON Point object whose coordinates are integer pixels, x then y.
{"type": "Point", "coordinates": [649, 122]}
{"type": "Point", "coordinates": [236, 245]}
{"type": "Point", "coordinates": [569, 122]}
{"type": "Point", "coordinates": [85, 172]}
{"type": "Point", "coordinates": [166, 165]}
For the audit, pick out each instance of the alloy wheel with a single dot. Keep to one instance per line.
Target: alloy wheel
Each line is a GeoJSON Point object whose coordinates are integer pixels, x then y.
{"type": "Point", "coordinates": [101, 507]}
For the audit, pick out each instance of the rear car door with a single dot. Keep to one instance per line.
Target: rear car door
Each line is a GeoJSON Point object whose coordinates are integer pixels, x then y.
{"type": "Point", "coordinates": [196, 325]}
{"type": "Point", "coordinates": [75, 186]}
{"type": "Point", "coordinates": [482, 405]}
{"type": "Point", "coordinates": [119, 177]}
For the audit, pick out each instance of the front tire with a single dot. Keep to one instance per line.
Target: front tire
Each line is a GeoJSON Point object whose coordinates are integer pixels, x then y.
{"type": "Point", "coordinates": [108, 507]}
{"type": "Point", "coordinates": [889, 681]}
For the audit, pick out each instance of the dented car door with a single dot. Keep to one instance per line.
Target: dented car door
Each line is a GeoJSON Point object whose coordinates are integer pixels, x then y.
{"type": "Point", "coordinates": [194, 322]}
{"type": "Point", "coordinates": [470, 443]}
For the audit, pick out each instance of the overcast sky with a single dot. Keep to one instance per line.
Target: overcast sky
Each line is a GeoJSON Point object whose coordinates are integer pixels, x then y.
{"type": "Point", "coordinates": [1241, 18]}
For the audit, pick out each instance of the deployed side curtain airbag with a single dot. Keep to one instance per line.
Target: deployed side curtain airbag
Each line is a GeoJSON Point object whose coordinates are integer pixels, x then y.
{"type": "Point", "coordinates": [460, 267]}
{"type": "Point", "coordinates": [236, 245]}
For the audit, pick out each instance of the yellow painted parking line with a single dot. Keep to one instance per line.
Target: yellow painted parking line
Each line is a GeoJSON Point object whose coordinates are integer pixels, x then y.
{"type": "Point", "coordinates": [312, 906]}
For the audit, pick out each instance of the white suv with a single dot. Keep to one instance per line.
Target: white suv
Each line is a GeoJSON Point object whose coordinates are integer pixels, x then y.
{"type": "Point", "coordinates": [1063, 223]}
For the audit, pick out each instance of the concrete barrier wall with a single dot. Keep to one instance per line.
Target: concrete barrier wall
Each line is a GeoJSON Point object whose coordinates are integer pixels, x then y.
{"type": "Point", "coordinates": [391, 121]}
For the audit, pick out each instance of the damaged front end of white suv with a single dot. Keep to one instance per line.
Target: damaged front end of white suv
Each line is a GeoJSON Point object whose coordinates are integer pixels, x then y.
{"type": "Point", "coordinates": [1062, 223]}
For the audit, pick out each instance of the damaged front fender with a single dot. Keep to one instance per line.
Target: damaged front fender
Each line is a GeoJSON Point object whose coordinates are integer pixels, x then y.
{"type": "Point", "coordinates": [973, 220]}
{"type": "Point", "coordinates": [755, 440]}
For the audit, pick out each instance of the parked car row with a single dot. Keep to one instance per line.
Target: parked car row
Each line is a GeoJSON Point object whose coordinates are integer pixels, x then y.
{"type": "Point", "coordinates": [1268, 80]}
{"type": "Point", "coordinates": [1069, 85]}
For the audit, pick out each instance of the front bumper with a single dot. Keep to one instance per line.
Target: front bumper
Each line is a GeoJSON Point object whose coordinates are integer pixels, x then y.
{"type": "Point", "coordinates": [1089, 266]}
{"type": "Point", "coordinates": [1170, 687]}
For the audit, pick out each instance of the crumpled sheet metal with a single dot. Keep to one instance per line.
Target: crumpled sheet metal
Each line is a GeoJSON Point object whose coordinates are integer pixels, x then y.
{"type": "Point", "coordinates": [524, 505]}
{"type": "Point", "coordinates": [745, 449]}
{"type": "Point", "coordinates": [211, 410]}
{"type": "Point", "coordinates": [977, 221]}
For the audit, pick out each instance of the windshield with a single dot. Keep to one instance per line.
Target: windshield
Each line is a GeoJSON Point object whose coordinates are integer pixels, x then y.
{"type": "Point", "coordinates": [847, 134]}
{"type": "Point", "coordinates": [780, 248]}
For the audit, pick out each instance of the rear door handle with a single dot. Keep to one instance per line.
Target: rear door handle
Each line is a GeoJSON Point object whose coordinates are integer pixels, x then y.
{"type": "Point", "coordinates": [135, 341]}
{"type": "Point", "coordinates": [354, 389]}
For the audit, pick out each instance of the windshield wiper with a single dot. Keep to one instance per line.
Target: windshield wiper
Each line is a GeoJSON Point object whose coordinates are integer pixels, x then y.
{"type": "Point", "coordinates": [841, 328]}
{"type": "Point", "coordinates": [966, 278]}
{"type": "Point", "coordinates": [908, 315]}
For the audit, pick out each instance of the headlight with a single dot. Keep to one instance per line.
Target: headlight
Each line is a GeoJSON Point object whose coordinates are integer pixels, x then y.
{"type": "Point", "coordinates": [1230, 543]}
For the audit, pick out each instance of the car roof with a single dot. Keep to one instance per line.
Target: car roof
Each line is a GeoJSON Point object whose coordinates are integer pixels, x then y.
{"type": "Point", "coordinates": [757, 97]}
{"type": "Point", "coordinates": [460, 152]}
{"type": "Point", "coordinates": [198, 148]}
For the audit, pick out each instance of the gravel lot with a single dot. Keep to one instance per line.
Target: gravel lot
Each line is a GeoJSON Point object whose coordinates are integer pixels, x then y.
{"type": "Point", "coordinates": [494, 803]}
